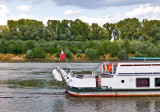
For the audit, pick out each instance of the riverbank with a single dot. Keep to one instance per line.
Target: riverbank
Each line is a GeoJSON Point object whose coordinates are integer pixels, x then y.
{"type": "Point", "coordinates": [50, 58]}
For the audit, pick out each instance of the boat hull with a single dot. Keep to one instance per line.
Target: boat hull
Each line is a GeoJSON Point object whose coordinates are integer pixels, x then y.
{"type": "Point", "coordinates": [114, 93]}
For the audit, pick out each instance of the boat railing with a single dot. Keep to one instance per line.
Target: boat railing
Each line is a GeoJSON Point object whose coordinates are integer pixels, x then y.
{"type": "Point", "coordinates": [96, 68]}
{"type": "Point", "coordinates": [106, 72]}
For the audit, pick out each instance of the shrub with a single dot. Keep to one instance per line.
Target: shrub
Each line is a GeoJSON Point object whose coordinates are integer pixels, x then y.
{"type": "Point", "coordinates": [73, 49]}
{"type": "Point", "coordinates": [79, 52]}
{"type": "Point", "coordinates": [39, 53]}
{"type": "Point", "coordinates": [114, 49]}
{"type": "Point", "coordinates": [29, 54]}
{"type": "Point", "coordinates": [101, 50]}
{"type": "Point", "coordinates": [122, 54]}
{"type": "Point", "coordinates": [30, 44]}
{"type": "Point", "coordinates": [68, 53]}
{"type": "Point", "coordinates": [107, 46]}
{"type": "Point", "coordinates": [137, 54]}
{"type": "Point", "coordinates": [91, 53]}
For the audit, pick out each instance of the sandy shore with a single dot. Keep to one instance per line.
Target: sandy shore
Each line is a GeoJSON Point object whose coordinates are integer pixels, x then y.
{"type": "Point", "coordinates": [22, 57]}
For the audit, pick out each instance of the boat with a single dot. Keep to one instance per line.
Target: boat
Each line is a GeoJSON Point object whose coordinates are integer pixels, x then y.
{"type": "Point", "coordinates": [113, 79]}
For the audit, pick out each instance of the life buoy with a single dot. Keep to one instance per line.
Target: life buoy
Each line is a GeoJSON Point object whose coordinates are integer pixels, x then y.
{"type": "Point", "coordinates": [109, 67]}
{"type": "Point", "coordinates": [103, 67]}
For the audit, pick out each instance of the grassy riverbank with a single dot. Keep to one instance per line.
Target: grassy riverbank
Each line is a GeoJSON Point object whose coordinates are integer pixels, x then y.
{"type": "Point", "coordinates": [50, 58]}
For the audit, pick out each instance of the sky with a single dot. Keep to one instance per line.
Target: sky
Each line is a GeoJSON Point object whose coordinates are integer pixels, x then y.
{"type": "Point", "coordinates": [89, 11]}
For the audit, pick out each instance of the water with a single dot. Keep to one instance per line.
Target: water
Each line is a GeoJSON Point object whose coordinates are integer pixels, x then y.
{"type": "Point", "coordinates": [30, 87]}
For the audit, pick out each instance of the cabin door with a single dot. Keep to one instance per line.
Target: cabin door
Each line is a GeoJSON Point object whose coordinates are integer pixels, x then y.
{"type": "Point", "coordinates": [98, 81]}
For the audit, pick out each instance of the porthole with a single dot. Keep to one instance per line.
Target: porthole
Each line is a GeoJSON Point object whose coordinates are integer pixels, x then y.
{"type": "Point", "coordinates": [122, 81]}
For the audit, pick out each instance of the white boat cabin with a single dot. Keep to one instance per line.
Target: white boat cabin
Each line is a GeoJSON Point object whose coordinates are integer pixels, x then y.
{"type": "Point", "coordinates": [128, 75]}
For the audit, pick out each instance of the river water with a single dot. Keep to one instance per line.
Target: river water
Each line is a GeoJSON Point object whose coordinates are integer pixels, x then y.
{"type": "Point", "coordinates": [30, 87]}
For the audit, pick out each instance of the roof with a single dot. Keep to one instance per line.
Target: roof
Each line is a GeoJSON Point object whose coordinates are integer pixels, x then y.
{"type": "Point", "coordinates": [144, 58]}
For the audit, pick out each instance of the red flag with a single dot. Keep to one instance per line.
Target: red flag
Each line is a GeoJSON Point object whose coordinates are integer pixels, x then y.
{"type": "Point", "coordinates": [61, 56]}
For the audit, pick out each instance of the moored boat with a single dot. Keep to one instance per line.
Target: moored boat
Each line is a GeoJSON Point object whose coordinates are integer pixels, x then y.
{"type": "Point", "coordinates": [114, 79]}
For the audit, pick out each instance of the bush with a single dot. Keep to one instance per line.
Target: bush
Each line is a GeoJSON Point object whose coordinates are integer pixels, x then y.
{"type": "Point", "coordinates": [30, 44]}
{"type": "Point", "coordinates": [91, 53]}
{"type": "Point", "coordinates": [29, 54]}
{"type": "Point", "coordinates": [38, 53]}
{"type": "Point", "coordinates": [68, 53]}
{"type": "Point", "coordinates": [107, 46]}
{"type": "Point", "coordinates": [114, 49]}
{"type": "Point", "coordinates": [122, 54]}
{"type": "Point", "coordinates": [3, 46]}
{"type": "Point", "coordinates": [137, 54]}
{"type": "Point", "coordinates": [79, 52]}
{"type": "Point", "coordinates": [73, 49]}
{"type": "Point", "coordinates": [101, 50]}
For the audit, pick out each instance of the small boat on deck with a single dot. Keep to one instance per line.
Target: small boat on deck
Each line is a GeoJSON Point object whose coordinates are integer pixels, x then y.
{"type": "Point", "coordinates": [114, 79]}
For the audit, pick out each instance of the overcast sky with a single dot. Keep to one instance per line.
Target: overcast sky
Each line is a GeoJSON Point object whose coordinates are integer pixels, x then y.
{"type": "Point", "coordinates": [90, 11]}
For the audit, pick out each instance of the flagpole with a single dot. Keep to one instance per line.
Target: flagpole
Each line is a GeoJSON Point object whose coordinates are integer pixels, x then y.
{"type": "Point", "coordinates": [68, 64]}
{"type": "Point", "coordinates": [67, 61]}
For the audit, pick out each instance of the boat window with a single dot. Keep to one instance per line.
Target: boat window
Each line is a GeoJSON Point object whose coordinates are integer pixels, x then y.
{"type": "Point", "coordinates": [122, 81]}
{"type": "Point", "coordinates": [142, 82]}
{"type": "Point", "coordinates": [157, 82]}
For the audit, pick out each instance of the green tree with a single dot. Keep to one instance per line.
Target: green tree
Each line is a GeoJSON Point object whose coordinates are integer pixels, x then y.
{"type": "Point", "coordinates": [151, 31]}
{"type": "Point", "coordinates": [79, 30]}
{"type": "Point", "coordinates": [111, 29]}
{"type": "Point", "coordinates": [129, 28]}
{"type": "Point", "coordinates": [53, 27]}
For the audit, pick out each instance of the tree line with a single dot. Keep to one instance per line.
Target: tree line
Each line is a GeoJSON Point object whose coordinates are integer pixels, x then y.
{"type": "Point", "coordinates": [33, 38]}
{"type": "Point", "coordinates": [77, 30]}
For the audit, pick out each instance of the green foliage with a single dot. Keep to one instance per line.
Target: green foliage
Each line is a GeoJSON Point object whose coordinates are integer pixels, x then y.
{"type": "Point", "coordinates": [30, 44]}
{"type": "Point", "coordinates": [154, 51]}
{"type": "Point", "coordinates": [73, 48]}
{"type": "Point", "coordinates": [110, 29]}
{"type": "Point", "coordinates": [91, 53]}
{"type": "Point", "coordinates": [130, 36]}
{"type": "Point", "coordinates": [101, 50]}
{"type": "Point", "coordinates": [129, 28]}
{"type": "Point", "coordinates": [122, 54]}
{"type": "Point", "coordinates": [29, 54]}
{"type": "Point", "coordinates": [137, 54]}
{"type": "Point", "coordinates": [38, 53]}
{"type": "Point", "coordinates": [79, 52]}
{"type": "Point", "coordinates": [114, 49]}
{"type": "Point", "coordinates": [3, 46]}
{"type": "Point", "coordinates": [68, 53]}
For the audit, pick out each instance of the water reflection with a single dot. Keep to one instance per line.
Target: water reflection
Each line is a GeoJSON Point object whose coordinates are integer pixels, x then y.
{"type": "Point", "coordinates": [120, 104]}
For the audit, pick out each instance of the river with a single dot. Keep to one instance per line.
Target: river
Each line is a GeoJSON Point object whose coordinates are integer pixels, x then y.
{"type": "Point", "coordinates": [30, 87]}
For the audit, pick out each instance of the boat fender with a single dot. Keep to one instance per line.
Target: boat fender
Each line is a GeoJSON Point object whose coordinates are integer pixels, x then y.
{"type": "Point", "coordinates": [109, 67]}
